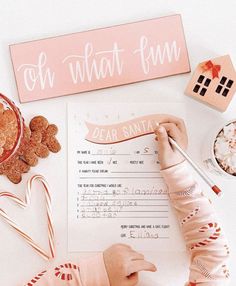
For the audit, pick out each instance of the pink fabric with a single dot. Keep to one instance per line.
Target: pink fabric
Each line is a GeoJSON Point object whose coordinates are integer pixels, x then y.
{"type": "Point", "coordinates": [93, 272]}
{"type": "Point", "coordinates": [90, 272]}
{"type": "Point", "coordinates": [201, 229]}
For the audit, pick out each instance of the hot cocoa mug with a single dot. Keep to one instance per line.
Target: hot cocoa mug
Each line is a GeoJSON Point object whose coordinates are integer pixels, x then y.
{"type": "Point", "coordinates": [219, 150]}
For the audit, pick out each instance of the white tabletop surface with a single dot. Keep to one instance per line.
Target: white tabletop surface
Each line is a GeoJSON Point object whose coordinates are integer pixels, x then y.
{"type": "Point", "coordinates": [210, 29]}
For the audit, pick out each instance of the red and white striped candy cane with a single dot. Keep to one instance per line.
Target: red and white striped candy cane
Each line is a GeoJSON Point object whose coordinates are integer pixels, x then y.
{"type": "Point", "coordinates": [36, 278]}
{"type": "Point", "coordinates": [225, 271]}
{"type": "Point", "coordinates": [214, 226]}
{"type": "Point", "coordinates": [190, 215]}
{"type": "Point", "coordinates": [59, 273]}
{"type": "Point", "coordinates": [24, 203]}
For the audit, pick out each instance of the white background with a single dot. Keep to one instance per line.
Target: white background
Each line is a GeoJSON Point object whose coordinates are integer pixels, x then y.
{"type": "Point", "coordinates": [210, 28]}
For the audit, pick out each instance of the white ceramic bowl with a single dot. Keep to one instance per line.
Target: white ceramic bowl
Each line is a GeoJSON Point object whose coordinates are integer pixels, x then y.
{"type": "Point", "coordinates": [208, 153]}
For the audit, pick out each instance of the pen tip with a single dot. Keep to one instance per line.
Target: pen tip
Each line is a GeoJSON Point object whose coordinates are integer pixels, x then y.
{"type": "Point", "coordinates": [217, 191]}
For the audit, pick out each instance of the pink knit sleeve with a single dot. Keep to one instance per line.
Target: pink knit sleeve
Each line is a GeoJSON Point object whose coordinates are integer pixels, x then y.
{"type": "Point", "coordinates": [89, 272]}
{"type": "Point", "coordinates": [203, 234]}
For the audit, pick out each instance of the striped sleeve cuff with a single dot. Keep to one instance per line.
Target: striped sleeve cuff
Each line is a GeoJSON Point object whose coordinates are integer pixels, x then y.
{"type": "Point", "coordinates": [93, 271]}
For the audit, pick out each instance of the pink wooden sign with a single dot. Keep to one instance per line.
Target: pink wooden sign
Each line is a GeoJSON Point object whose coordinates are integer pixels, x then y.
{"type": "Point", "coordinates": [100, 58]}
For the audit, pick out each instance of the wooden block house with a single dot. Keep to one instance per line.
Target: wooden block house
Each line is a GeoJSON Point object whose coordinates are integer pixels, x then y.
{"type": "Point", "coordinates": [214, 82]}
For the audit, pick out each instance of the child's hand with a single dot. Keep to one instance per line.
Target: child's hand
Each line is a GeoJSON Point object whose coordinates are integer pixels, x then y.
{"type": "Point", "coordinates": [123, 264]}
{"type": "Point", "coordinates": [175, 128]}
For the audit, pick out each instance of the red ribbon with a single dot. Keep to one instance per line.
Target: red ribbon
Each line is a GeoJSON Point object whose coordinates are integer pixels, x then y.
{"type": "Point", "coordinates": [215, 69]}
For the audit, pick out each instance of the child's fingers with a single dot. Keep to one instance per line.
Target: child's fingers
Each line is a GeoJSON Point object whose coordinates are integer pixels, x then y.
{"type": "Point", "coordinates": [174, 132]}
{"type": "Point", "coordinates": [132, 279]}
{"type": "Point", "coordinates": [173, 119]}
{"type": "Point", "coordinates": [140, 265]}
{"type": "Point", "coordinates": [136, 256]}
{"type": "Point", "coordinates": [123, 245]}
{"type": "Point", "coordinates": [163, 140]}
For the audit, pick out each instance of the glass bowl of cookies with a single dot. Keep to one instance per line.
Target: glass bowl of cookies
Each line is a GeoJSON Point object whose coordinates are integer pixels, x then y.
{"type": "Point", "coordinates": [11, 128]}
{"type": "Point", "coordinates": [21, 146]}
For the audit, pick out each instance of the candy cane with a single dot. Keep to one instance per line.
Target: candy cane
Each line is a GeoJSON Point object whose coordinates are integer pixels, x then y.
{"type": "Point", "coordinates": [211, 238]}
{"type": "Point", "coordinates": [60, 274]}
{"type": "Point", "coordinates": [25, 203]}
{"type": "Point", "coordinates": [203, 269]}
{"type": "Point", "coordinates": [36, 279]}
{"type": "Point", "coordinates": [225, 271]}
{"type": "Point", "coordinates": [226, 248]}
{"type": "Point", "coordinates": [190, 215]}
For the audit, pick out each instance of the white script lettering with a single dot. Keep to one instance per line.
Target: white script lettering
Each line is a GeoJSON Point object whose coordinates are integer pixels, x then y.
{"type": "Point", "coordinates": [38, 73]}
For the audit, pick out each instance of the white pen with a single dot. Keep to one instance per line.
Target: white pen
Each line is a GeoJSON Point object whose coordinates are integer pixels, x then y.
{"type": "Point", "coordinates": [213, 186]}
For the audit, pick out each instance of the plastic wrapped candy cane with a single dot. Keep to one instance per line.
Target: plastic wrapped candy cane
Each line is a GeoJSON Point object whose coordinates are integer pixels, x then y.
{"type": "Point", "coordinates": [24, 203]}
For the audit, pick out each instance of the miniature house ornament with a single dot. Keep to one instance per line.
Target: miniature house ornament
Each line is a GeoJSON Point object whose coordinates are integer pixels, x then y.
{"type": "Point", "coordinates": [214, 82]}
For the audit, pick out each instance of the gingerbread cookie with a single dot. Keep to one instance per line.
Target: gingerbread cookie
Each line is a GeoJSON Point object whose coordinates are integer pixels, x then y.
{"type": "Point", "coordinates": [48, 131]}
{"type": "Point", "coordinates": [37, 142]}
{"type": "Point", "coordinates": [14, 167]}
{"type": "Point", "coordinates": [8, 129]}
{"type": "Point", "coordinates": [43, 137]}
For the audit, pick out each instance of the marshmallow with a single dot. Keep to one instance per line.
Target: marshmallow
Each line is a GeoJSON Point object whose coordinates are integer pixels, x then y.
{"type": "Point", "coordinates": [225, 148]}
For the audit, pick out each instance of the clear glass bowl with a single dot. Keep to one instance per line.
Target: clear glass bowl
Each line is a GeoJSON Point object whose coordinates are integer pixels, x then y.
{"type": "Point", "coordinates": [9, 105]}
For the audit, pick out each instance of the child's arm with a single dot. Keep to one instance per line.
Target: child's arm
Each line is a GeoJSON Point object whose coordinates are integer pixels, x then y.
{"type": "Point", "coordinates": [117, 266]}
{"type": "Point", "coordinates": [201, 229]}
{"type": "Point", "coordinates": [88, 272]}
